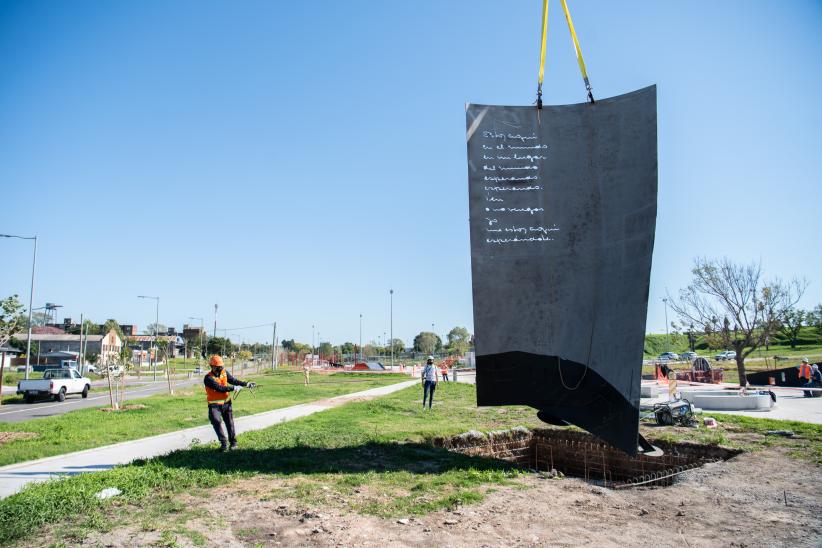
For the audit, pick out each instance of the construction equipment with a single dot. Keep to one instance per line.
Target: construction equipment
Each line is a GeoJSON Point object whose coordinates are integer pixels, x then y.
{"type": "Point", "coordinates": [679, 412]}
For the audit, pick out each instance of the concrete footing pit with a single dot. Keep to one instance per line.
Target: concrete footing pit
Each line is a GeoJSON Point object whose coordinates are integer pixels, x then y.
{"type": "Point", "coordinates": [581, 455]}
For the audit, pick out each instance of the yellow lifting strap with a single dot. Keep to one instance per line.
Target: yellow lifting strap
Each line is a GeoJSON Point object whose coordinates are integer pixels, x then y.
{"type": "Point", "coordinates": [542, 52]}
{"type": "Point", "coordinates": [577, 49]}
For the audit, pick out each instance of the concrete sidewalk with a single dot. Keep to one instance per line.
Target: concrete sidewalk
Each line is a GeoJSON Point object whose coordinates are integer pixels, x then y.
{"type": "Point", "coordinates": [15, 476]}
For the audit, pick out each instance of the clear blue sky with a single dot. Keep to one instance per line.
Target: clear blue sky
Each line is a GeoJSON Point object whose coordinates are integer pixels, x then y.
{"type": "Point", "coordinates": [292, 161]}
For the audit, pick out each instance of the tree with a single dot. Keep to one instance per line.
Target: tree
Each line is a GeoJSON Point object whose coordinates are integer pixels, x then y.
{"type": "Point", "coordinates": [427, 342]}
{"type": "Point", "coordinates": [11, 319]}
{"type": "Point", "coordinates": [220, 345]}
{"type": "Point", "coordinates": [326, 350]}
{"type": "Point", "coordinates": [459, 341]}
{"type": "Point", "coordinates": [112, 324]}
{"type": "Point", "coordinates": [817, 319]}
{"type": "Point", "coordinates": [287, 344]}
{"type": "Point", "coordinates": [348, 348]}
{"type": "Point", "coordinates": [244, 355]}
{"type": "Point", "coordinates": [749, 307]}
{"type": "Point", "coordinates": [792, 321]}
{"type": "Point", "coordinates": [38, 319]}
{"type": "Point", "coordinates": [161, 329]}
{"type": "Point", "coordinates": [397, 345]}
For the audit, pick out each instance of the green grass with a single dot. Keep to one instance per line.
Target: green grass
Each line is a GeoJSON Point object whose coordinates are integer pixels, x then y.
{"type": "Point", "coordinates": [87, 428]}
{"type": "Point", "coordinates": [355, 446]}
{"type": "Point", "coordinates": [371, 457]}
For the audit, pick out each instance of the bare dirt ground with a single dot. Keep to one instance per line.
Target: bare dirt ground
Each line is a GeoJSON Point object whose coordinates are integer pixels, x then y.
{"type": "Point", "coordinates": [740, 502]}
{"type": "Point", "coordinates": [6, 437]}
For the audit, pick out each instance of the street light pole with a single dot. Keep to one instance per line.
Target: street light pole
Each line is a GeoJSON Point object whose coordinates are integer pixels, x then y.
{"type": "Point", "coordinates": [360, 347]}
{"type": "Point", "coordinates": [667, 336]}
{"type": "Point", "coordinates": [156, 321]}
{"type": "Point", "coordinates": [392, 328]}
{"type": "Point", "coordinates": [31, 294]}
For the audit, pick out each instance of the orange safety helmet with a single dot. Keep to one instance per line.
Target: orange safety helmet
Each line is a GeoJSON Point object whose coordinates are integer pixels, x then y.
{"type": "Point", "coordinates": [215, 361]}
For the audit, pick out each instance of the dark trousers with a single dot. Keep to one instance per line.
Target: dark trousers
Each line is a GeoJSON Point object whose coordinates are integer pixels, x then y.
{"type": "Point", "coordinates": [428, 388]}
{"type": "Point", "coordinates": [215, 412]}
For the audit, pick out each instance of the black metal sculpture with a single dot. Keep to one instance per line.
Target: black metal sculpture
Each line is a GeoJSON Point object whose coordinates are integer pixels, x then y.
{"type": "Point", "coordinates": [563, 213]}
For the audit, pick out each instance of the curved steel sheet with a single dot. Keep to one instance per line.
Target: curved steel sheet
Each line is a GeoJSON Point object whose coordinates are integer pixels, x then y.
{"type": "Point", "coordinates": [562, 215]}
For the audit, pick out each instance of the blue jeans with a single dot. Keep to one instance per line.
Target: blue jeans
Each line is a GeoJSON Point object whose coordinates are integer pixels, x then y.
{"type": "Point", "coordinates": [428, 388]}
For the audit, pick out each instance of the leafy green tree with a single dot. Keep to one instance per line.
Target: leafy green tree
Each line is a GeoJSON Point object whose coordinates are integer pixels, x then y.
{"type": "Point", "coordinates": [398, 346]}
{"type": "Point", "coordinates": [348, 348]}
{"type": "Point", "coordinates": [792, 321]}
{"type": "Point", "coordinates": [244, 355]}
{"type": "Point", "coordinates": [92, 357]}
{"type": "Point", "coordinates": [10, 320]}
{"type": "Point", "coordinates": [427, 342]}
{"type": "Point", "coordinates": [112, 324]}
{"type": "Point", "coordinates": [459, 341]}
{"type": "Point", "coordinates": [326, 350]}
{"type": "Point", "coordinates": [220, 345]}
{"type": "Point", "coordinates": [816, 319]}
{"type": "Point", "coordinates": [288, 345]}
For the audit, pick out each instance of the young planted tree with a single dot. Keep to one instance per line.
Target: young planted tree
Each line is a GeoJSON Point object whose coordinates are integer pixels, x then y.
{"type": "Point", "coordinates": [735, 304]}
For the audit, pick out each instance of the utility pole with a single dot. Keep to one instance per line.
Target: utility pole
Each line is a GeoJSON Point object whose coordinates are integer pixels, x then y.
{"type": "Point", "coordinates": [79, 348]}
{"type": "Point", "coordinates": [360, 347]}
{"type": "Point", "coordinates": [667, 336]}
{"type": "Point", "coordinates": [392, 329]}
{"type": "Point", "coordinates": [215, 321]}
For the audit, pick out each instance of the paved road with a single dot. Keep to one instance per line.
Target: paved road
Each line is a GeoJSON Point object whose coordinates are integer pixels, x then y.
{"type": "Point", "coordinates": [17, 412]}
{"type": "Point", "coordinates": [13, 477]}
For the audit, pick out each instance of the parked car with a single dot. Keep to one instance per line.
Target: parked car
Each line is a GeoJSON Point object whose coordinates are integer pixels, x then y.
{"type": "Point", "coordinates": [56, 383]}
{"type": "Point", "coordinates": [688, 355]}
{"type": "Point", "coordinates": [667, 356]}
{"type": "Point", "coordinates": [726, 355]}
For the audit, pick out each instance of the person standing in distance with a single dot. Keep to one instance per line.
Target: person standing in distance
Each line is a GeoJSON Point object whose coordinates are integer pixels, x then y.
{"type": "Point", "coordinates": [429, 382]}
{"type": "Point", "coordinates": [219, 384]}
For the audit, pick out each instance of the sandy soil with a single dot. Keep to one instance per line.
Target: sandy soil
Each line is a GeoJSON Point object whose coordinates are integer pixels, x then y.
{"type": "Point", "coordinates": [6, 437]}
{"type": "Point", "coordinates": [740, 502]}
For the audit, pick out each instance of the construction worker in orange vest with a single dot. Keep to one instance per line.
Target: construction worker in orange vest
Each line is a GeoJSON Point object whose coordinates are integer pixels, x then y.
{"type": "Point", "coordinates": [219, 384]}
{"type": "Point", "coordinates": [805, 371]}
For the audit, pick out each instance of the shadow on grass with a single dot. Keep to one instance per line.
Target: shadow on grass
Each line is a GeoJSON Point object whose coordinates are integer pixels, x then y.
{"type": "Point", "coordinates": [415, 458]}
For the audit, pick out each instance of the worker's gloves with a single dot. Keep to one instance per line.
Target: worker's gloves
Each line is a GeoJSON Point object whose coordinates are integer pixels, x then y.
{"type": "Point", "coordinates": [237, 388]}
{"type": "Point", "coordinates": [251, 385]}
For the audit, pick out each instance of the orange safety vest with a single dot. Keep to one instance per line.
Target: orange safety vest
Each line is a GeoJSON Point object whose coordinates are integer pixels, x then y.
{"type": "Point", "coordinates": [805, 371]}
{"type": "Point", "coordinates": [215, 396]}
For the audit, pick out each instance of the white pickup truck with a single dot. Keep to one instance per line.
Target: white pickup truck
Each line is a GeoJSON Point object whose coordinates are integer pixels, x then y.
{"type": "Point", "coordinates": [56, 383]}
